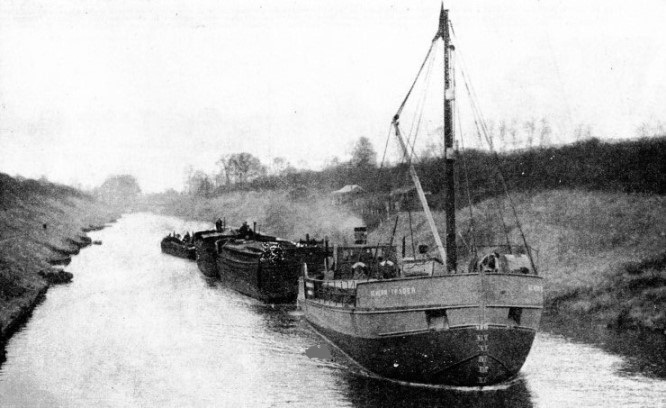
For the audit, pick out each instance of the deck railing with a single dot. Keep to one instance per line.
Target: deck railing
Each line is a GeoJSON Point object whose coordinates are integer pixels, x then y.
{"type": "Point", "coordinates": [336, 292]}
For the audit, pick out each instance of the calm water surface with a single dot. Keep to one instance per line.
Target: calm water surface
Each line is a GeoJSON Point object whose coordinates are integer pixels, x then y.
{"type": "Point", "coordinates": [137, 328]}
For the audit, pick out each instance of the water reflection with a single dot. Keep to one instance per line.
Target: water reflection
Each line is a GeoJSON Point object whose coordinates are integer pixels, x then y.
{"type": "Point", "coordinates": [279, 318]}
{"type": "Point", "coordinates": [644, 351]}
{"type": "Point", "coordinates": [369, 392]}
{"type": "Point", "coordinates": [360, 390]}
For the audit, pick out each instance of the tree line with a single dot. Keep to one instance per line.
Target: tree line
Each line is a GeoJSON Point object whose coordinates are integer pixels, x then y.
{"type": "Point", "coordinates": [631, 166]}
{"type": "Point", "coordinates": [241, 171]}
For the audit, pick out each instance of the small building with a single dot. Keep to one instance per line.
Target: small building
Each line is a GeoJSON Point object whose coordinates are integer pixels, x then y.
{"type": "Point", "coordinates": [351, 194]}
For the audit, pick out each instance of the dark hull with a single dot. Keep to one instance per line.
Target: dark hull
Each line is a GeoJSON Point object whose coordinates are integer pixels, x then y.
{"type": "Point", "coordinates": [206, 244]}
{"type": "Point", "coordinates": [248, 274]}
{"type": "Point", "coordinates": [454, 357]}
{"type": "Point", "coordinates": [206, 257]}
{"type": "Point", "coordinates": [179, 250]}
{"type": "Point", "coordinates": [455, 330]}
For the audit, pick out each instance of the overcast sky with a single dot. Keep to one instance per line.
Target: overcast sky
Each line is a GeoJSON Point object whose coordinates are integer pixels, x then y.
{"type": "Point", "coordinates": [96, 87]}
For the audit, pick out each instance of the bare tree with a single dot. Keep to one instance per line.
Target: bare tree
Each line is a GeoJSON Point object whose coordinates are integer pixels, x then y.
{"type": "Point", "coordinates": [200, 184]}
{"type": "Point", "coordinates": [513, 131]}
{"type": "Point", "coordinates": [651, 127]}
{"type": "Point", "coordinates": [363, 154]}
{"type": "Point", "coordinates": [224, 173]}
{"type": "Point", "coordinates": [583, 131]}
{"type": "Point", "coordinates": [501, 133]}
{"type": "Point", "coordinates": [187, 182]}
{"type": "Point", "coordinates": [530, 130]}
{"type": "Point", "coordinates": [544, 132]}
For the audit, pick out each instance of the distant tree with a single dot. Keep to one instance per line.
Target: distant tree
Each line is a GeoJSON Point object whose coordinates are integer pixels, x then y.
{"type": "Point", "coordinates": [501, 133]}
{"type": "Point", "coordinates": [281, 167]}
{"type": "Point", "coordinates": [224, 174]}
{"type": "Point", "coordinates": [120, 189]}
{"type": "Point", "coordinates": [513, 131]}
{"type": "Point", "coordinates": [583, 131]}
{"type": "Point", "coordinates": [244, 167]}
{"type": "Point", "coordinates": [200, 184]}
{"type": "Point", "coordinates": [363, 154]}
{"type": "Point", "coordinates": [187, 179]}
{"type": "Point", "coordinates": [651, 128]}
{"type": "Point", "coordinates": [332, 162]}
{"type": "Point", "coordinates": [544, 132]}
{"type": "Point", "coordinates": [434, 145]}
{"type": "Point", "coordinates": [530, 130]}
{"type": "Point", "coordinates": [429, 151]}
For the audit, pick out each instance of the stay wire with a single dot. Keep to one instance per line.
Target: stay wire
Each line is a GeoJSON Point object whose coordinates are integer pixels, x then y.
{"type": "Point", "coordinates": [411, 232]}
{"type": "Point", "coordinates": [495, 155]}
{"type": "Point", "coordinates": [421, 106]}
{"type": "Point", "coordinates": [402, 105]}
{"type": "Point", "coordinates": [471, 229]}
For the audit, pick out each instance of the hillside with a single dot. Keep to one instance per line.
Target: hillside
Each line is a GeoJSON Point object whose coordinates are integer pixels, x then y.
{"type": "Point", "coordinates": [40, 224]}
{"type": "Point", "coordinates": [601, 253]}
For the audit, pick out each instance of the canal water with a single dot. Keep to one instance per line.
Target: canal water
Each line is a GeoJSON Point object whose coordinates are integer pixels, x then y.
{"type": "Point", "coordinates": [137, 328]}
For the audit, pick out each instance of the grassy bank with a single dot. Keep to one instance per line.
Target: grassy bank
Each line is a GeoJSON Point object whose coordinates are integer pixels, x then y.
{"type": "Point", "coordinates": [601, 253]}
{"type": "Point", "coordinates": [40, 224]}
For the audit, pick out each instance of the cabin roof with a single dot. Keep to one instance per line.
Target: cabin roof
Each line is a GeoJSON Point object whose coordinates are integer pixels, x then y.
{"type": "Point", "coordinates": [366, 246]}
{"type": "Point", "coordinates": [226, 233]}
{"type": "Point", "coordinates": [349, 189]}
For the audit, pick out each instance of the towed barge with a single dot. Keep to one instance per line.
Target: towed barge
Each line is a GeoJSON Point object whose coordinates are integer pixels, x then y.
{"type": "Point", "coordinates": [177, 247]}
{"type": "Point", "coordinates": [206, 244]}
{"type": "Point", "coordinates": [267, 270]}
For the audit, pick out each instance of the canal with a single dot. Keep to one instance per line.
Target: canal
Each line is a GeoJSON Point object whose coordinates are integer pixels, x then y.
{"type": "Point", "coordinates": [137, 328]}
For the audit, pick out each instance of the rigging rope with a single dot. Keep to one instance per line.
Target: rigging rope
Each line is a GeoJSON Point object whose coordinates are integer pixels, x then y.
{"type": "Point", "coordinates": [402, 105]}
{"type": "Point", "coordinates": [411, 231]}
{"type": "Point", "coordinates": [477, 115]}
{"type": "Point", "coordinates": [420, 108]}
{"type": "Point", "coordinates": [471, 230]}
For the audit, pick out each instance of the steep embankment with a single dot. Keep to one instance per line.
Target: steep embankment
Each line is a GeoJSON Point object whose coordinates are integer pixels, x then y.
{"type": "Point", "coordinates": [40, 224]}
{"type": "Point", "coordinates": [602, 254]}
{"type": "Point", "coordinates": [275, 213]}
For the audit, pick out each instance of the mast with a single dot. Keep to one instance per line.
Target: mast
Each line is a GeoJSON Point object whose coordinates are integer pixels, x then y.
{"type": "Point", "coordinates": [448, 254]}
{"type": "Point", "coordinates": [449, 153]}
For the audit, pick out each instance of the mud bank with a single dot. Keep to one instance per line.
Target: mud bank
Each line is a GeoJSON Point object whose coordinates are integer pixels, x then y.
{"type": "Point", "coordinates": [41, 226]}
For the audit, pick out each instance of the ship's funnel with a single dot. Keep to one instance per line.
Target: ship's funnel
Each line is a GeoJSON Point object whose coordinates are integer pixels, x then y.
{"type": "Point", "coordinates": [361, 235]}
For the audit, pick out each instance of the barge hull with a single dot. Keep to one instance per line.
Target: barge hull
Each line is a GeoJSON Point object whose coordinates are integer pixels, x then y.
{"type": "Point", "coordinates": [459, 357]}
